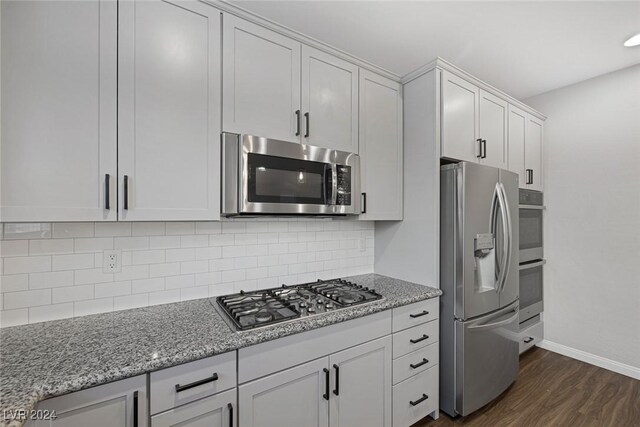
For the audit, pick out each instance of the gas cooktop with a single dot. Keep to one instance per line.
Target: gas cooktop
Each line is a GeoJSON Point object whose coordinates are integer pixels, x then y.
{"type": "Point", "coordinates": [248, 310]}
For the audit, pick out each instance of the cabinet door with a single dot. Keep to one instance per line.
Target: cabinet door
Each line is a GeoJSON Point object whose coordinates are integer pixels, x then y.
{"type": "Point", "coordinates": [289, 398]}
{"type": "Point", "coordinates": [261, 81]}
{"type": "Point", "coordinates": [361, 385]}
{"type": "Point", "coordinates": [533, 152]}
{"type": "Point", "coordinates": [169, 110]}
{"type": "Point", "coordinates": [493, 130]}
{"type": "Point", "coordinates": [109, 405]}
{"type": "Point", "coordinates": [59, 70]}
{"type": "Point", "coordinates": [329, 101]}
{"type": "Point", "coordinates": [381, 152]}
{"type": "Point", "coordinates": [219, 410]}
{"type": "Point", "coordinates": [460, 104]}
{"type": "Point", "coordinates": [517, 132]}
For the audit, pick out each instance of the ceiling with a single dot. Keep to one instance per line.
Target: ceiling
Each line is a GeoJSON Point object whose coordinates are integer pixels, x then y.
{"type": "Point", "coordinates": [521, 47]}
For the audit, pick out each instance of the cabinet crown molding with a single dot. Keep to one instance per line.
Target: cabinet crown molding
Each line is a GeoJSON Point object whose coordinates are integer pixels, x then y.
{"type": "Point", "coordinates": [442, 64]}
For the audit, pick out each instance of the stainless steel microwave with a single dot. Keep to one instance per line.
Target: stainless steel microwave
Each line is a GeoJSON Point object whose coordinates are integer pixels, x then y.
{"type": "Point", "coordinates": [262, 176]}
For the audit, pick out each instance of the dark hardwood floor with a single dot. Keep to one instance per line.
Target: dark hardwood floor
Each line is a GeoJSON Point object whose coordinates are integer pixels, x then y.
{"type": "Point", "coordinates": [555, 390]}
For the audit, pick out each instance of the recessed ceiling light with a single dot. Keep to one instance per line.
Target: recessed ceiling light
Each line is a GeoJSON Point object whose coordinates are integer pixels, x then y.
{"type": "Point", "coordinates": [633, 41]}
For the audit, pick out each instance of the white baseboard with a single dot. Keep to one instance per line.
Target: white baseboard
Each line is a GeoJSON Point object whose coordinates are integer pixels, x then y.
{"type": "Point", "coordinates": [611, 365]}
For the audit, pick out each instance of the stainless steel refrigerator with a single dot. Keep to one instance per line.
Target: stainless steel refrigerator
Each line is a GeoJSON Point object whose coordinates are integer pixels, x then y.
{"type": "Point", "coordinates": [479, 279]}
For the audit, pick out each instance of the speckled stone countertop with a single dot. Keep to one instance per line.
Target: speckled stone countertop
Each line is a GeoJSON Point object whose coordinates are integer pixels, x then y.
{"type": "Point", "coordinates": [49, 359]}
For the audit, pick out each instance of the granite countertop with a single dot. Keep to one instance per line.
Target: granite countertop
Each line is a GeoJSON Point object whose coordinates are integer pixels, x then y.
{"type": "Point", "coordinates": [49, 359]}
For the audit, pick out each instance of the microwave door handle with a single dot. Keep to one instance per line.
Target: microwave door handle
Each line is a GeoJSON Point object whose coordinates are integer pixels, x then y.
{"type": "Point", "coordinates": [334, 184]}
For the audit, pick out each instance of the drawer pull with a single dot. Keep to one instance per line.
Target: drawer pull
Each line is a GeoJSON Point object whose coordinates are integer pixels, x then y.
{"type": "Point", "coordinates": [416, 402]}
{"type": "Point", "coordinates": [417, 365]}
{"type": "Point", "coordinates": [424, 313]}
{"type": "Point", "coordinates": [212, 378]}
{"type": "Point", "coordinates": [417, 340]}
{"type": "Point", "coordinates": [528, 340]}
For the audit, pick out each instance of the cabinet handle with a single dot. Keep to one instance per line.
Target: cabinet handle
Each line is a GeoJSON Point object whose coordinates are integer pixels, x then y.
{"type": "Point", "coordinates": [135, 409]}
{"type": "Point", "coordinates": [336, 391]}
{"type": "Point", "coordinates": [212, 378]}
{"type": "Point", "coordinates": [479, 148]}
{"type": "Point", "coordinates": [484, 148]}
{"type": "Point", "coordinates": [424, 313]}
{"type": "Point", "coordinates": [297, 122]}
{"type": "Point", "coordinates": [417, 340]}
{"type": "Point", "coordinates": [107, 193]}
{"type": "Point", "coordinates": [417, 365]}
{"type": "Point", "coordinates": [422, 399]}
{"type": "Point", "coordinates": [528, 340]}
{"type": "Point", "coordinates": [364, 203]}
{"type": "Point", "coordinates": [531, 176]}
{"type": "Point", "coordinates": [306, 118]}
{"type": "Point", "coordinates": [126, 192]}
{"type": "Point", "coordinates": [326, 383]}
{"type": "Point", "coordinates": [230, 406]}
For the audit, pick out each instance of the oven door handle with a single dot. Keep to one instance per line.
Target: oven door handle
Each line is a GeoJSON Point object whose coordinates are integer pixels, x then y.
{"type": "Point", "coordinates": [536, 207]}
{"type": "Point", "coordinates": [532, 265]}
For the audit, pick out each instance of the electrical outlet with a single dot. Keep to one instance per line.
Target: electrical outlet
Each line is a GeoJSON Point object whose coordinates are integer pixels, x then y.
{"type": "Point", "coordinates": [111, 261]}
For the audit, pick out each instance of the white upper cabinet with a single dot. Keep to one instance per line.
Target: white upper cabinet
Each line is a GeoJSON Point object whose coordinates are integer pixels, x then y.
{"type": "Point", "coordinates": [361, 385]}
{"type": "Point", "coordinates": [329, 101]}
{"type": "Point", "coordinates": [533, 152]}
{"type": "Point", "coordinates": [517, 132]}
{"type": "Point", "coordinates": [169, 111]}
{"type": "Point", "coordinates": [58, 149]}
{"type": "Point", "coordinates": [381, 152]}
{"type": "Point", "coordinates": [261, 81]}
{"type": "Point", "coordinates": [493, 130]}
{"type": "Point", "coordinates": [460, 104]}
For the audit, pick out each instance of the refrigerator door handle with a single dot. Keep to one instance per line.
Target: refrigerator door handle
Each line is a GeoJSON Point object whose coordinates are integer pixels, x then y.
{"type": "Point", "coordinates": [499, 203]}
{"type": "Point", "coordinates": [508, 229]}
{"type": "Point", "coordinates": [496, 324]}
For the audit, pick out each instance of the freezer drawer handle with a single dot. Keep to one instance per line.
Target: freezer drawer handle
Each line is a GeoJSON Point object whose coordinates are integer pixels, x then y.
{"type": "Point", "coordinates": [497, 324]}
{"type": "Point", "coordinates": [424, 313]}
{"type": "Point", "coordinates": [416, 402]}
{"type": "Point", "coordinates": [417, 365]}
{"type": "Point", "coordinates": [212, 378]}
{"type": "Point", "coordinates": [417, 340]}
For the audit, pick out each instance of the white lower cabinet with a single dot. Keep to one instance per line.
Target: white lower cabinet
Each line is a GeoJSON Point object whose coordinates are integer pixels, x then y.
{"type": "Point", "coordinates": [351, 388]}
{"type": "Point", "coordinates": [415, 398]}
{"type": "Point", "coordinates": [215, 411]}
{"type": "Point", "coordinates": [121, 403]}
{"type": "Point", "coordinates": [294, 397]}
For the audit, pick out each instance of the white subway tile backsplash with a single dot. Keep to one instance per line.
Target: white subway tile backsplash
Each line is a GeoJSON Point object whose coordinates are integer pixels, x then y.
{"type": "Point", "coordinates": [50, 312]}
{"type": "Point", "coordinates": [73, 229]}
{"type": "Point", "coordinates": [94, 306]}
{"type": "Point", "coordinates": [72, 293]}
{"type": "Point", "coordinates": [177, 228]}
{"type": "Point", "coordinates": [113, 229]}
{"type": "Point", "coordinates": [27, 298]}
{"type": "Point", "coordinates": [14, 248]}
{"type": "Point", "coordinates": [73, 262]}
{"type": "Point", "coordinates": [167, 262]}
{"type": "Point", "coordinates": [50, 279]}
{"type": "Point", "coordinates": [31, 264]}
{"type": "Point", "coordinates": [148, 229]}
{"type": "Point", "coordinates": [94, 244]}
{"type": "Point", "coordinates": [112, 289]}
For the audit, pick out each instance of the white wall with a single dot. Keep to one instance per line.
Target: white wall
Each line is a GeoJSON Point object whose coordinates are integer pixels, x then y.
{"type": "Point", "coordinates": [53, 271]}
{"type": "Point", "coordinates": [592, 221]}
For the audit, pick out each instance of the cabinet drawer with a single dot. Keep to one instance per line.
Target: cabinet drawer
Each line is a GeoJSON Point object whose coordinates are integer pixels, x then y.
{"type": "Point", "coordinates": [409, 402]}
{"type": "Point", "coordinates": [531, 336]}
{"type": "Point", "coordinates": [417, 337]}
{"type": "Point", "coordinates": [415, 362]}
{"type": "Point", "coordinates": [185, 383]}
{"type": "Point", "coordinates": [218, 410]}
{"type": "Point", "coordinates": [415, 314]}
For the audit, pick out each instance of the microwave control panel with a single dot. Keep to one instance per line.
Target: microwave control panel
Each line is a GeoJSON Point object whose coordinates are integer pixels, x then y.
{"type": "Point", "coordinates": [344, 185]}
